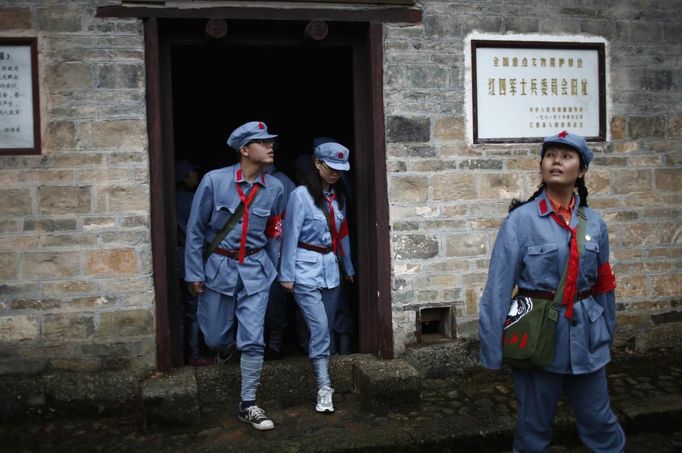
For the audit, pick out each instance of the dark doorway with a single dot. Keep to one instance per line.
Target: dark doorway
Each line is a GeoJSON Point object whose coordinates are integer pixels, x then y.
{"type": "Point", "coordinates": [300, 89]}
{"type": "Point", "coordinates": [266, 70]}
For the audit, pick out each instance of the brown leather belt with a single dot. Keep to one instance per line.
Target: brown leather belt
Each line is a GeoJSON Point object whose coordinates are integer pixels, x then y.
{"type": "Point", "coordinates": [315, 248]}
{"type": "Point", "coordinates": [234, 254]}
{"type": "Point", "coordinates": [549, 295]}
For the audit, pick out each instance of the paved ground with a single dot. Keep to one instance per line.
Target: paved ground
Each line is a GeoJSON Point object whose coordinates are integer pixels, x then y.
{"type": "Point", "coordinates": [473, 411]}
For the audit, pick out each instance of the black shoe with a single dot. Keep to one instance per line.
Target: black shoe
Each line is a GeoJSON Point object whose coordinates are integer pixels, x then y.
{"type": "Point", "coordinates": [256, 416]}
{"type": "Point", "coordinates": [272, 354]}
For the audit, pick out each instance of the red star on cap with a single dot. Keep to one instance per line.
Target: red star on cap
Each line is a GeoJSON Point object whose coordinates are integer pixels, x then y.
{"type": "Point", "coordinates": [261, 126]}
{"type": "Point", "coordinates": [339, 155]}
{"type": "Point", "coordinates": [563, 134]}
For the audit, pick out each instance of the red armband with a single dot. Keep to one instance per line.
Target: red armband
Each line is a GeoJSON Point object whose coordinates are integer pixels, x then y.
{"type": "Point", "coordinates": [274, 227]}
{"type": "Point", "coordinates": [343, 230]}
{"type": "Point", "coordinates": [606, 280]}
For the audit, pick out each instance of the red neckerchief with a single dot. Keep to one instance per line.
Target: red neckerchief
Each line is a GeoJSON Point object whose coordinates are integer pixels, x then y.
{"type": "Point", "coordinates": [245, 223]}
{"type": "Point", "coordinates": [332, 220]}
{"type": "Point", "coordinates": [573, 263]}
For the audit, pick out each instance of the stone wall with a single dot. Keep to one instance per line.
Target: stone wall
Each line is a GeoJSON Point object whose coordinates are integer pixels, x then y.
{"type": "Point", "coordinates": [448, 197]}
{"type": "Point", "coordinates": [76, 291]}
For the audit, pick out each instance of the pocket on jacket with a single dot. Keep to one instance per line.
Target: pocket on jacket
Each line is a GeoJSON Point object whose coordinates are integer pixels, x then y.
{"type": "Point", "coordinates": [589, 261]}
{"type": "Point", "coordinates": [541, 259]}
{"type": "Point", "coordinates": [220, 217]}
{"type": "Point", "coordinates": [258, 219]}
{"type": "Point", "coordinates": [599, 334]}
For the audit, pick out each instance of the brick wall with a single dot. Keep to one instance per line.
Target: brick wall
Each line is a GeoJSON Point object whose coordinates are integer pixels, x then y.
{"type": "Point", "coordinates": [76, 290]}
{"type": "Point", "coordinates": [448, 197]}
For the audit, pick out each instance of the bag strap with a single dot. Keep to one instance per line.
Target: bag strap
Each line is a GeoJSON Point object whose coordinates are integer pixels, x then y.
{"type": "Point", "coordinates": [234, 219]}
{"type": "Point", "coordinates": [580, 231]}
{"type": "Point", "coordinates": [339, 261]}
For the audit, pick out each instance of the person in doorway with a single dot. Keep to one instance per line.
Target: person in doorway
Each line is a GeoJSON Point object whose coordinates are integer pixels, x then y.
{"type": "Point", "coordinates": [536, 242]}
{"type": "Point", "coordinates": [315, 242]}
{"type": "Point", "coordinates": [276, 315]}
{"type": "Point", "coordinates": [186, 182]}
{"type": "Point", "coordinates": [238, 212]}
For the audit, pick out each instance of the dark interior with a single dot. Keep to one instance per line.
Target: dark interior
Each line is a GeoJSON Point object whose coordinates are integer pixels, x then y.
{"type": "Point", "coordinates": [300, 89]}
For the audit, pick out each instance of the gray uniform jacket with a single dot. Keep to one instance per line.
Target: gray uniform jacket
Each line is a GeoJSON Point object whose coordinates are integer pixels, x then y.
{"type": "Point", "coordinates": [215, 200]}
{"type": "Point", "coordinates": [531, 251]}
{"type": "Point", "coordinates": [305, 222]}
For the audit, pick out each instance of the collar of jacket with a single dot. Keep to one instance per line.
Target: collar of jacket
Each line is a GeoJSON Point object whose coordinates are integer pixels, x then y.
{"type": "Point", "coordinates": [545, 207]}
{"type": "Point", "coordinates": [239, 176]}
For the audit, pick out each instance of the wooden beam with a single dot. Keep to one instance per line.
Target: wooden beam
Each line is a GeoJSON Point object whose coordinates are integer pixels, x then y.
{"type": "Point", "coordinates": [364, 14]}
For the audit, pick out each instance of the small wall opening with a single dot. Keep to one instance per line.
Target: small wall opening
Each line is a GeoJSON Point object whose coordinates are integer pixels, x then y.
{"type": "Point", "coordinates": [435, 324]}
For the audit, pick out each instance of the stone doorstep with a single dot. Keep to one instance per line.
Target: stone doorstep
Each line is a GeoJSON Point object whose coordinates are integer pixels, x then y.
{"type": "Point", "coordinates": [175, 398]}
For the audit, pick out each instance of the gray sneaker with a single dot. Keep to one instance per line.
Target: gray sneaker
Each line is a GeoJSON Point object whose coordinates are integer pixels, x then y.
{"type": "Point", "coordinates": [324, 400]}
{"type": "Point", "coordinates": [256, 416]}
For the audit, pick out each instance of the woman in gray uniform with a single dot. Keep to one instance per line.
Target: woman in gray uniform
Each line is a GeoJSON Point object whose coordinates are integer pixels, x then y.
{"type": "Point", "coordinates": [314, 243]}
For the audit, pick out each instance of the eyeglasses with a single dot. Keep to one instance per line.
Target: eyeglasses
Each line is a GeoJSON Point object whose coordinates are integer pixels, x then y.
{"type": "Point", "coordinates": [265, 142]}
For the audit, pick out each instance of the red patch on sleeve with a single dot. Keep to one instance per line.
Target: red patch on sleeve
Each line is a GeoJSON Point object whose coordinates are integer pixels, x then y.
{"type": "Point", "coordinates": [274, 226]}
{"type": "Point", "coordinates": [606, 280]}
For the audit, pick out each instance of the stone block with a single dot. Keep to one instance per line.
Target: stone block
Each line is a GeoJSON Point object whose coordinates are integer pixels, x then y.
{"type": "Point", "coordinates": [426, 76]}
{"type": "Point", "coordinates": [18, 328]}
{"type": "Point", "coordinates": [408, 129]}
{"type": "Point", "coordinates": [656, 79]}
{"type": "Point", "coordinates": [61, 19]}
{"type": "Point", "coordinates": [454, 186]}
{"type": "Point", "coordinates": [501, 186]}
{"type": "Point", "coordinates": [440, 360]}
{"type": "Point", "coordinates": [69, 76]}
{"type": "Point", "coordinates": [51, 265]}
{"type": "Point", "coordinates": [171, 399]}
{"type": "Point", "coordinates": [111, 262]}
{"type": "Point", "coordinates": [125, 323]}
{"type": "Point", "coordinates": [466, 244]}
{"type": "Point", "coordinates": [125, 76]}
{"type": "Point", "coordinates": [414, 246]}
{"type": "Point", "coordinates": [34, 304]}
{"type": "Point", "coordinates": [50, 225]}
{"type": "Point", "coordinates": [119, 134]}
{"type": "Point", "coordinates": [647, 127]}
{"type": "Point", "coordinates": [409, 189]}
{"type": "Point", "coordinates": [431, 165]}
{"type": "Point", "coordinates": [125, 198]}
{"type": "Point", "coordinates": [482, 164]}
{"type": "Point", "coordinates": [676, 127]}
{"type": "Point", "coordinates": [668, 179]}
{"type": "Point", "coordinates": [15, 19]}
{"type": "Point", "coordinates": [15, 202]}
{"type": "Point", "coordinates": [98, 393]}
{"type": "Point", "coordinates": [9, 266]}
{"type": "Point", "coordinates": [618, 128]}
{"type": "Point", "coordinates": [387, 383]}
{"type": "Point", "coordinates": [68, 326]}
{"type": "Point", "coordinates": [60, 135]}
{"type": "Point", "coordinates": [632, 181]}
{"type": "Point", "coordinates": [64, 199]}
{"type": "Point", "coordinates": [449, 128]}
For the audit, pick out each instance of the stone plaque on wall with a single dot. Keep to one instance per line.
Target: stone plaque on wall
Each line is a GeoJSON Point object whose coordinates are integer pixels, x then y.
{"type": "Point", "coordinates": [523, 91]}
{"type": "Point", "coordinates": [19, 102]}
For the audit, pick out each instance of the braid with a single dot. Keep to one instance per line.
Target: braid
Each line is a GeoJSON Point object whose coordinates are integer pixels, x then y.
{"type": "Point", "coordinates": [582, 191]}
{"type": "Point", "coordinates": [515, 203]}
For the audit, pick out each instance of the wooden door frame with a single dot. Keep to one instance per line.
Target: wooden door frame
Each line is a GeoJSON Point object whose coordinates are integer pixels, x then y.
{"type": "Point", "coordinates": [374, 276]}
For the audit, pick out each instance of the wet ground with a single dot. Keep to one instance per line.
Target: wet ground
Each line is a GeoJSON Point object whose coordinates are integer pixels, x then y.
{"type": "Point", "coordinates": [473, 411]}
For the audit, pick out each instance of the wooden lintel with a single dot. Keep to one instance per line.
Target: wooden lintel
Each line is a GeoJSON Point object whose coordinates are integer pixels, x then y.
{"type": "Point", "coordinates": [373, 15]}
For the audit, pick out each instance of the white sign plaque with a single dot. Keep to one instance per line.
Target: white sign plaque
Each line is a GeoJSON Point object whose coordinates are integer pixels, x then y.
{"type": "Point", "coordinates": [526, 93]}
{"type": "Point", "coordinates": [18, 118]}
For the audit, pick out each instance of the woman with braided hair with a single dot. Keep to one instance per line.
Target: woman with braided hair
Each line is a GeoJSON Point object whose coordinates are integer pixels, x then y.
{"type": "Point", "coordinates": [536, 244]}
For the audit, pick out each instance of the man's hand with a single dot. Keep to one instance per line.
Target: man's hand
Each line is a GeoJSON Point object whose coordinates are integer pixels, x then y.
{"type": "Point", "coordinates": [289, 286]}
{"type": "Point", "coordinates": [195, 288]}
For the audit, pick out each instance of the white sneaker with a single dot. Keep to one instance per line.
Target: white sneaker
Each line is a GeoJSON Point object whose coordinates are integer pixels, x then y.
{"type": "Point", "coordinates": [324, 400]}
{"type": "Point", "coordinates": [256, 416]}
